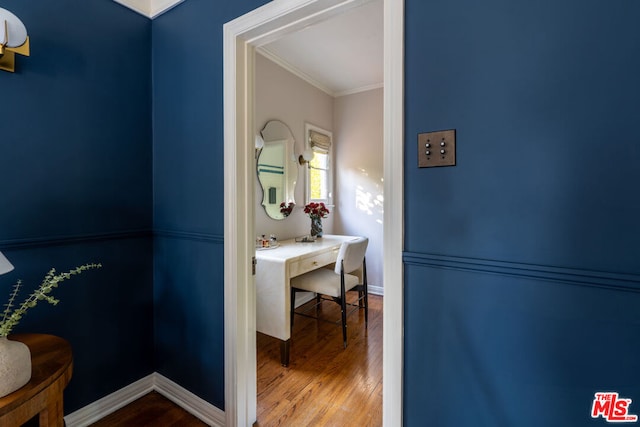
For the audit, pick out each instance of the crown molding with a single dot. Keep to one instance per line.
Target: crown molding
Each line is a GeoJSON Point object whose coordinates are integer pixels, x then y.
{"type": "Point", "coordinates": [270, 55]}
{"type": "Point", "coordinates": [264, 51]}
{"type": "Point", "coordinates": [149, 8]}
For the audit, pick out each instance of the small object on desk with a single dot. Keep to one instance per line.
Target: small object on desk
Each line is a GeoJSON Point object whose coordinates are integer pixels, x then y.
{"type": "Point", "coordinates": [264, 243]}
{"type": "Point", "coordinates": [306, 239]}
{"type": "Point", "coordinates": [264, 248]}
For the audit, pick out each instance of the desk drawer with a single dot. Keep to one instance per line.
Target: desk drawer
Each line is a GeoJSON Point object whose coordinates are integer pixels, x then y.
{"type": "Point", "coordinates": [305, 265]}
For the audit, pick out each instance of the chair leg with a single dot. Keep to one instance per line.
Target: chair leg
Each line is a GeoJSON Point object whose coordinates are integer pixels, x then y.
{"type": "Point", "coordinates": [366, 306]}
{"type": "Point", "coordinates": [366, 292]}
{"type": "Point", "coordinates": [343, 306]}
{"type": "Point", "coordinates": [293, 306]}
{"type": "Point", "coordinates": [344, 321]}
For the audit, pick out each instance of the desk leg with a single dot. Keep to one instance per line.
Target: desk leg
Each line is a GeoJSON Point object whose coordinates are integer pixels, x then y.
{"type": "Point", "coordinates": [284, 352]}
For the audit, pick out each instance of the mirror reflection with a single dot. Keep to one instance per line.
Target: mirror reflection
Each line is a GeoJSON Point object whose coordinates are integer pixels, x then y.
{"type": "Point", "coordinates": [277, 168]}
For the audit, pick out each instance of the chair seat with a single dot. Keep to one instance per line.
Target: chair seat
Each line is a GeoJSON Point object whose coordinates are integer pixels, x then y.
{"type": "Point", "coordinates": [324, 281]}
{"type": "Point", "coordinates": [336, 282]}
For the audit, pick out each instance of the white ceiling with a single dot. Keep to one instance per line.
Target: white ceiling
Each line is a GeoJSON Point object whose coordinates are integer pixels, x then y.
{"type": "Point", "coordinates": [149, 8]}
{"type": "Point", "coordinates": [340, 56]}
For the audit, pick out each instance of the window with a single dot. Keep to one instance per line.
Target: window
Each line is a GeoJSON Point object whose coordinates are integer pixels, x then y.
{"type": "Point", "coordinates": [319, 175]}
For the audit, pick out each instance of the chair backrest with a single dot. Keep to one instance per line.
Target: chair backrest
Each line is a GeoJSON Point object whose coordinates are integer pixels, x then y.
{"type": "Point", "coordinates": [351, 254]}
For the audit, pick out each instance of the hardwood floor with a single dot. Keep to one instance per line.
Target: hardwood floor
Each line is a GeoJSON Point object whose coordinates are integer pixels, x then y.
{"type": "Point", "coordinates": [324, 385]}
{"type": "Point", "coordinates": [151, 410]}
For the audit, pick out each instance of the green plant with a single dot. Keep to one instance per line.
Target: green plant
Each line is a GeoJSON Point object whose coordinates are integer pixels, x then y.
{"type": "Point", "coordinates": [11, 317]}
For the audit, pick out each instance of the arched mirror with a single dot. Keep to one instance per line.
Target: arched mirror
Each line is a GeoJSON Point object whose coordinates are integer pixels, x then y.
{"type": "Point", "coordinates": [277, 168]}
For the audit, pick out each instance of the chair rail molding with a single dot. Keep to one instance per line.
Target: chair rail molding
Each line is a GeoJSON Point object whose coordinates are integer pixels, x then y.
{"type": "Point", "coordinates": [149, 8]}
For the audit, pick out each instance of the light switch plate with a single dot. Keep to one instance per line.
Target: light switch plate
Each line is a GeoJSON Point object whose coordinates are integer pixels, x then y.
{"type": "Point", "coordinates": [437, 148]}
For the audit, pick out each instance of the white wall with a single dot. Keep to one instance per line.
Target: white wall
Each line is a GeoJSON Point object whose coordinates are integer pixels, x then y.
{"type": "Point", "coordinates": [280, 95]}
{"type": "Point", "coordinates": [357, 132]}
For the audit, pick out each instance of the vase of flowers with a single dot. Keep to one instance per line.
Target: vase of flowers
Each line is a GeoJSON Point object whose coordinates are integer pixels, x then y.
{"type": "Point", "coordinates": [286, 208]}
{"type": "Point", "coordinates": [316, 212]}
{"type": "Point", "coordinates": [15, 357]}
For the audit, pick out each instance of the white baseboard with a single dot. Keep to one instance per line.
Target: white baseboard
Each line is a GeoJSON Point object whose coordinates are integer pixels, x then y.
{"type": "Point", "coordinates": [376, 290]}
{"type": "Point", "coordinates": [110, 403]}
{"type": "Point", "coordinates": [303, 298]}
{"type": "Point", "coordinates": [191, 403]}
{"type": "Point", "coordinates": [188, 401]}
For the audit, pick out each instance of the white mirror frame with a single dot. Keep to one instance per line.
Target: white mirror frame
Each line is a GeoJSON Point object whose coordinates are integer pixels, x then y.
{"type": "Point", "coordinates": [241, 37]}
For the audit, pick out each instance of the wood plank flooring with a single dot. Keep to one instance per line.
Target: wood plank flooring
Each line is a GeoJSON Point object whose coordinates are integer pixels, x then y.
{"type": "Point", "coordinates": [324, 385]}
{"type": "Point", "coordinates": [151, 410]}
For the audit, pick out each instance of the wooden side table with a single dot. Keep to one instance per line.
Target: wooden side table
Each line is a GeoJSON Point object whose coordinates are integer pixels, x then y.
{"type": "Point", "coordinates": [51, 369]}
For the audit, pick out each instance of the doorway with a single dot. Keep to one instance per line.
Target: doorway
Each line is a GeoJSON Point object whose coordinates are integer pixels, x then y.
{"type": "Point", "coordinates": [241, 37]}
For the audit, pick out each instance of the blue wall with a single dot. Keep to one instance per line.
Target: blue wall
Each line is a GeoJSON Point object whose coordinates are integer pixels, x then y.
{"type": "Point", "coordinates": [75, 168]}
{"type": "Point", "coordinates": [522, 270]}
{"type": "Point", "coordinates": [188, 194]}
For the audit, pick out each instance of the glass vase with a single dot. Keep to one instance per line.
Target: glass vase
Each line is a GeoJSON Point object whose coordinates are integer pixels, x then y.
{"type": "Point", "coordinates": [316, 227]}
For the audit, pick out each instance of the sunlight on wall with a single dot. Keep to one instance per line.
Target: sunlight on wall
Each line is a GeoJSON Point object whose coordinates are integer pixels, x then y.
{"type": "Point", "coordinates": [359, 169]}
{"type": "Point", "coordinates": [369, 200]}
{"type": "Point", "coordinates": [360, 195]}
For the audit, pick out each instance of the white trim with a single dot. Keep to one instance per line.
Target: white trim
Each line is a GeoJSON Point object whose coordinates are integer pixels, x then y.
{"type": "Point", "coordinates": [264, 51]}
{"type": "Point", "coordinates": [110, 403]}
{"type": "Point", "coordinates": [376, 290]}
{"type": "Point", "coordinates": [149, 8]}
{"type": "Point", "coordinates": [199, 408]}
{"type": "Point", "coordinates": [241, 37]}
{"type": "Point", "coordinates": [155, 382]}
{"type": "Point", "coordinates": [393, 229]}
{"type": "Point", "coordinates": [359, 90]}
{"type": "Point", "coordinates": [240, 329]}
{"type": "Point", "coordinates": [143, 7]}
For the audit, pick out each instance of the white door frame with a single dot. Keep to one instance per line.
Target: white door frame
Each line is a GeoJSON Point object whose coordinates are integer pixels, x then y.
{"type": "Point", "coordinates": [241, 37]}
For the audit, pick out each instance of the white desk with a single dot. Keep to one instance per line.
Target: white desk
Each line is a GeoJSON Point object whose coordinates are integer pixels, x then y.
{"type": "Point", "coordinates": [274, 270]}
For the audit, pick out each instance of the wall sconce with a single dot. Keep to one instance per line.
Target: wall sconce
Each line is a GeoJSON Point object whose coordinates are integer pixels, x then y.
{"type": "Point", "coordinates": [13, 39]}
{"type": "Point", "coordinates": [259, 144]}
{"type": "Point", "coordinates": [5, 265]}
{"type": "Point", "coordinates": [305, 157]}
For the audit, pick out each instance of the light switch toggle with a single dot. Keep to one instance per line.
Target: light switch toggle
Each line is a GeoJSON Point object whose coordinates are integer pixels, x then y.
{"type": "Point", "coordinates": [445, 156]}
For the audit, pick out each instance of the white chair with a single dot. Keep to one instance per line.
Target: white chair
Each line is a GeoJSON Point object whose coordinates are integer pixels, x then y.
{"type": "Point", "coordinates": [332, 285]}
